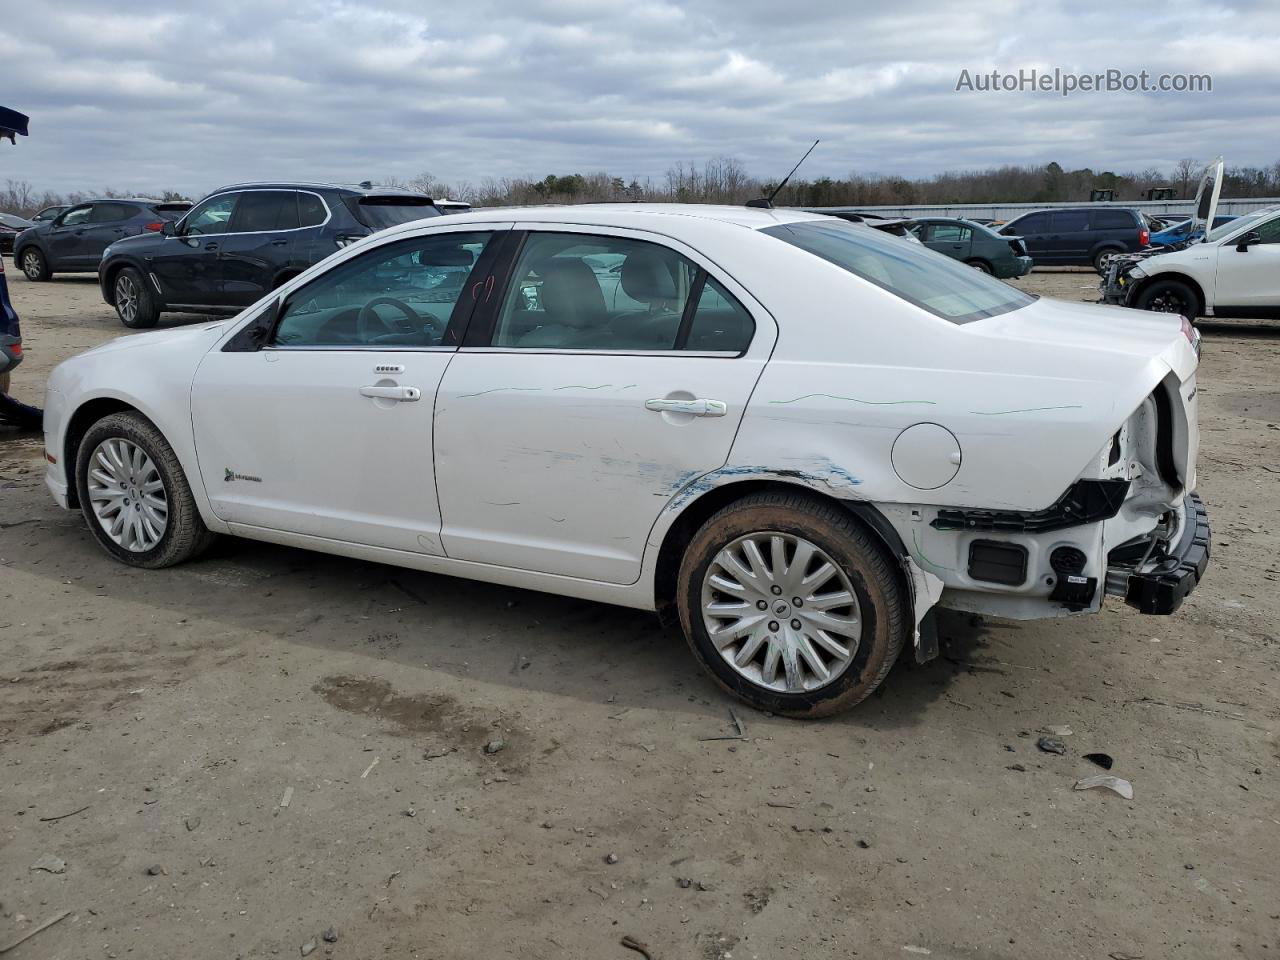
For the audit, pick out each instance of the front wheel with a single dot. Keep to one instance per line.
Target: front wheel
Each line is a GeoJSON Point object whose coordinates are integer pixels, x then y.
{"type": "Point", "coordinates": [34, 265]}
{"type": "Point", "coordinates": [1169, 296]}
{"type": "Point", "coordinates": [135, 495]}
{"type": "Point", "coordinates": [135, 304]}
{"type": "Point", "coordinates": [791, 605]}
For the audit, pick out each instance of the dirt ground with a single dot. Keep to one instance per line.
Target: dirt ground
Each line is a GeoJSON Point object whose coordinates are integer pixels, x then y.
{"type": "Point", "coordinates": [251, 750]}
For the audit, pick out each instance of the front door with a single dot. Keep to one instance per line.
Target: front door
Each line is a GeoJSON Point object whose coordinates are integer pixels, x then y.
{"type": "Point", "coordinates": [187, 265]}
{"type": "Point", "coordinates": [327, 430]}
{"type": "Point", "coordinates": [1251, 277]}
{"type": "Point", "coordinates": [66, 239]}
{"type": "Point", "coordinates": [611, 374]}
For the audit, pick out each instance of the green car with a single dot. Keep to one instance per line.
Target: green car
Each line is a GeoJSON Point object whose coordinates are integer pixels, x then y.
{"type": "Point", "coordinates": [978, 246]}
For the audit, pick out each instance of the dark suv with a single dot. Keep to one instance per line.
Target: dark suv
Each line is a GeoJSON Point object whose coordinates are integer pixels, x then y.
{"type": "Point", "coordinates": [242, 241]}
{"type": "Point", "coordinates": [1080, 236]}
{"type": "Point", "coordinates": [73, 241]}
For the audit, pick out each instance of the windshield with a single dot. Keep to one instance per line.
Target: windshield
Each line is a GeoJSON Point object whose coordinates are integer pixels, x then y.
{"type": "Point", "coordinates": [934, 282]}
{"type": "Point", "coordinates": [1231, 226]}
{"type": "Point", "coordinates": [382, 212]}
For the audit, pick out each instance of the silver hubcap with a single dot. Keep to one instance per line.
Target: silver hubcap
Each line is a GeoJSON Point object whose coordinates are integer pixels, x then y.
{"type": "Point", "coordinates": [127, 298]}
{"type": "Point", "coordinates": [31, 264]}
{"type": "Point", "coordinates": [127, 495]}
{"type": "Point", "coordinates": [781, 612]}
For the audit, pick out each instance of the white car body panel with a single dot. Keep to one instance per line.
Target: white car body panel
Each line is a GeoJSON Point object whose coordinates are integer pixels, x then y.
{"type": "Point", "coordinates": [551, 473]}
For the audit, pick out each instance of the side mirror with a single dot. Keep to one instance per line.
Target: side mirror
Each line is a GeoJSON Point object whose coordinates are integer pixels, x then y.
{"type": "Point", "coordinates": [168, 228]}
{"type": "Point", "coordinates": [1252, 237]}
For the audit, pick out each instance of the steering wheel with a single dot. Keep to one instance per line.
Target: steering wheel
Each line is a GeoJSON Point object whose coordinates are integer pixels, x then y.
{"type": "Point", "coordinates": [370, 325]}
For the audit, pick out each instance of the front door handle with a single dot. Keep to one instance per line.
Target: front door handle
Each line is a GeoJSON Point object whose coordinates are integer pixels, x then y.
{"type": "Point", "coordinates": [695, 408]}
{"type": "Point", "coordinates": [404, 394]}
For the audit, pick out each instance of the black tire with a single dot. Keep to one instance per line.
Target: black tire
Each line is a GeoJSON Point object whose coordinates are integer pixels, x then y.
{"type": "Point", "coordinates": [981, 265]}
{"type": "Point", "coordinates": [34, 264]}
{"type": "Point", "coordinates": [1169, 296]}
{"type": "Point", "coordinates": [1102, 258]}
{"type": "Point", "coordinates": [859, 556]}
{"type": "Point", "coordinates": [185, 536]}
{"type": "Point", "coordinates": [136, 304]}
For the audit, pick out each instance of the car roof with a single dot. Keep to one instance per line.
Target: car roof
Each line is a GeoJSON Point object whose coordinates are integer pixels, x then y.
{"type": "Point", "coordinates": [354, 189]}
{"type": "Point", "coordinates": [642, 215]}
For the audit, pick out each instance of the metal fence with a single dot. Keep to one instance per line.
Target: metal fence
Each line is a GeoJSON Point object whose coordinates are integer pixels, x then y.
{"type": "Point", "coordinates": [1007, 211]}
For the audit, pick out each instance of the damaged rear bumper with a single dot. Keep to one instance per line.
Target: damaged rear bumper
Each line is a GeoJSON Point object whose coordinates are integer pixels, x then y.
{"type": "Point", "coordinates": [1160, 589]}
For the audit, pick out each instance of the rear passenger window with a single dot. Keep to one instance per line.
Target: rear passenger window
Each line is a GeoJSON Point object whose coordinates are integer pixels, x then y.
{"type": "Point", "coordinates": [582, 292]}
{"type": "Point", "coordinates": [111, 212]}
{"type": "Point", "coordinates": [1112, 220]}
{"type": "Point", "coordinates": [263, 211]}
{"type": "Point", "coordinates": [311, 210]}
{"type": "Point", "coordinates": [1069, 221]}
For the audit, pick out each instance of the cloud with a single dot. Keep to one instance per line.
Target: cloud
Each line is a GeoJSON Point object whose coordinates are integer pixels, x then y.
{"type": "Point", "coordinates": [344, 90]}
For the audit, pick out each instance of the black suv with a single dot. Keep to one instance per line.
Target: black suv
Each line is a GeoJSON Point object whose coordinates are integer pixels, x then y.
{"type": "Point", "coordinates": [1080, 236]}
{"type": "Point", "coordinates": [242, 241]}
{"type": "Point", "coordinates": [73, 241]}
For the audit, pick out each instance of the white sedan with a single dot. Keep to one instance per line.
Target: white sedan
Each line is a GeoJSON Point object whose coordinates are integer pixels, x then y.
{"type": "Point", "coordinates": [797, 435]}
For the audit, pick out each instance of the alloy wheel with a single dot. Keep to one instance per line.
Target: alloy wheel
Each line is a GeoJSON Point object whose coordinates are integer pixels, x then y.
{"type": "Point", "coordinates": [127, 495]}
{"type": "Point", "coordinates": [126, 298]}
{"type": "Point", "coordinates": [781, 612]}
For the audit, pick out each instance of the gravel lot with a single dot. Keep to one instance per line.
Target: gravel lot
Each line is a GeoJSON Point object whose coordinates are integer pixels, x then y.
{"type": "Point", "coordinates": [268, 744]}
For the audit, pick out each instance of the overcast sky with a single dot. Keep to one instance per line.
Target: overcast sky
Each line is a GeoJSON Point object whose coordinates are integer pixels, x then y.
{"type": "Point", "coordinates": [145, 95]}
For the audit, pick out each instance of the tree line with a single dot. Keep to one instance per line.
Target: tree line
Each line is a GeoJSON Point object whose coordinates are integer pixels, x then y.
{"type": "Point", "coordinates": [726, 180]}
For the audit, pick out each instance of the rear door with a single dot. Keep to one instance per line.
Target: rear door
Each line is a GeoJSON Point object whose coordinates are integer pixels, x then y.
{"type": "Point", "coordinates": [577, 408]}
{"type": "Point", "coordinates": [259, 245]}
{"type": "Point", "coordinates": [107, 223]}
{"type": "Point", "coordinates": [65, 239]}
{"type": "Point", "coordinates": [187, 265]}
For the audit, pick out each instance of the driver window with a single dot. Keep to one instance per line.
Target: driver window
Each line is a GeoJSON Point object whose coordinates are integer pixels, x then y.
{"type": "Point", "coordinates": [396, 296]}
{"type": "Point", "coordinates": [212, 216]}
{"type": "Point", "coordinates": [79, 215]}
{"type": "Point", "coordinates": [1269, 232]}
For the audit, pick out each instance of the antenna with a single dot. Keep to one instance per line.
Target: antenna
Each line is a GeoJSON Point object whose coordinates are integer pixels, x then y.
{"type": "Point", "coordinates": [767, 202]}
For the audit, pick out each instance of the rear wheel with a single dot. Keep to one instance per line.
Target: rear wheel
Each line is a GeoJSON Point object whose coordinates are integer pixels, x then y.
{"type": "Point", "coordinates": [135, 496]}
{"type": "Point", "coordinates": [34, 265]}
{"type": "Point", "coordinates": [135, 303]}
{"type": "Point", "coordinates": [1169, 296]}
{"type": "Point", "coordinates": [1102, 259]}
{"type": "Point", "coordinates": [791, 605]}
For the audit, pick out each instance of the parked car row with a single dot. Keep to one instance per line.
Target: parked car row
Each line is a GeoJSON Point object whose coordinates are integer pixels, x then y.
{"type": "Point", "coordinates": [219, 255]}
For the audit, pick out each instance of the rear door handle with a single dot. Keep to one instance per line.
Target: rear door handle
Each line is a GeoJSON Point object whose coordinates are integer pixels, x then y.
{"type": "Point", "coordinates": [695, 408]}
{"type": "Point", "coordinates": [404, 394]}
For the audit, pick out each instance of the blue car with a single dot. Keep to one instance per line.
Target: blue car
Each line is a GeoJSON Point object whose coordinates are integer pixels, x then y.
{"type": "Point", "coordinates": [12, 413]}
{"type": "Point", "coordinates": [1180, 233]}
